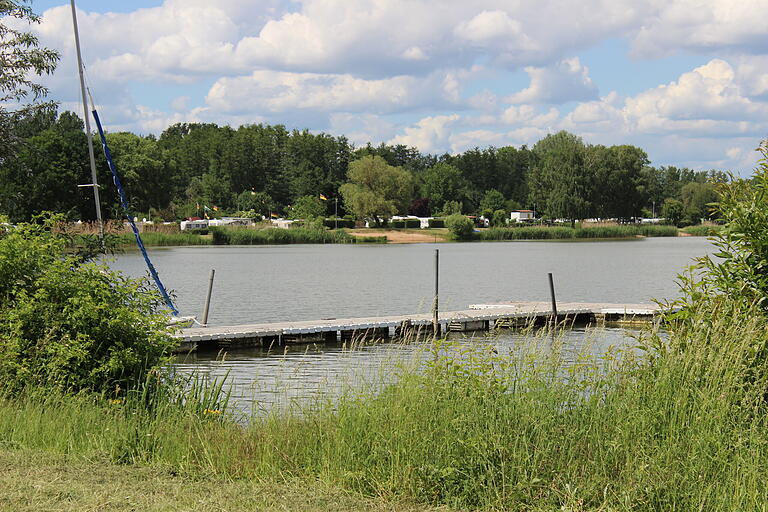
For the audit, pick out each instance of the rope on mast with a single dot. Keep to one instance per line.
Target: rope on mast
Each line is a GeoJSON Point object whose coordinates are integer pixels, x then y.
{"type": "Point", "coordinates": [126, 209]}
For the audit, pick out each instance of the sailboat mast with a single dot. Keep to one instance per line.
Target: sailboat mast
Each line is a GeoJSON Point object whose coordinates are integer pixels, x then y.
{"type": "Point", "coordinates": [94, 183]}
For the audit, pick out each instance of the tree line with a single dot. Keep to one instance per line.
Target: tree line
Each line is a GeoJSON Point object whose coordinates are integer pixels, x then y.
{"type": "Point", "coordinates": [193, 169]}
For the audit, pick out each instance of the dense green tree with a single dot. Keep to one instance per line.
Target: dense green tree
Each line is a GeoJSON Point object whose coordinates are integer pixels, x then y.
{"type": "Point", "coordinates": [559, 182]}
{"type": "Point", "coordinates": [22, 61]}
{"type": "Point", "coordinates": [443, 182]}
{"type": "Point", "coordinates": [307, 208]}
{"type": "Point", "coordinates": [492, 200]}
{"type": "Point", "coordinates": [377, 190]}
{"type": "Point", "coordinates": [617, 174]}
{"type": "Point", "coordinates": [259, 202]}
{"type": "Point", "coordinates": [673, 210]}
{"type": "Point", "coordinates": [697, 199]}
{"type": "Point", "coordinates": [46, 172]}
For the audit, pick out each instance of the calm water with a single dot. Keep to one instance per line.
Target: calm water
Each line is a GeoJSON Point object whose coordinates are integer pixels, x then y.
{"type": "Point", "coordinates": [306, 282]}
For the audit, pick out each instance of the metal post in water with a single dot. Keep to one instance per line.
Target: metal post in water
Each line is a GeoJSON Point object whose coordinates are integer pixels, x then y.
{"type": "Point", "coordinates": [208, 298]}
{"type": "Point", "coordinates": [554, 302]}
{"type": "Point", "coordinates": [435, 321]}
{"type": "Point", "coordinates": [94, 183]}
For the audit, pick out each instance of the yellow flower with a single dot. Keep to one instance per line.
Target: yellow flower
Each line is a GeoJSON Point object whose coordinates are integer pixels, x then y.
{"type": "Point", "coordinates": [212, 411]}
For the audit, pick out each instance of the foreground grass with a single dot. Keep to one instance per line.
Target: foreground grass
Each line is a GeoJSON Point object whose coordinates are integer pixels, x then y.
{"type": "Point", "coordinates": [681, 426]}
{"type": "Point", "coordinates": [34, 481]}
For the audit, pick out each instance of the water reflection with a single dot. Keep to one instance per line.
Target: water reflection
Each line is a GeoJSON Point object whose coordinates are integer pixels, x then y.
{"type": "Point", "coordinates": [291, 378]}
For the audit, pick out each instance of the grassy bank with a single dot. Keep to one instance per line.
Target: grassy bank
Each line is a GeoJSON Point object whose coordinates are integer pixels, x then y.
{"type": "Point", "coordinates": [288, 236]}
{"type": "Point", "coordinates": [473, 429]}
{"type": "Point", "coordinates": [564, 233]}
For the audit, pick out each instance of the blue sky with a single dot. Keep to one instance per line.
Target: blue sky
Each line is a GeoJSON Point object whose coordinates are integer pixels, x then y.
{"type": "Point", "coordinates": [687, 80]}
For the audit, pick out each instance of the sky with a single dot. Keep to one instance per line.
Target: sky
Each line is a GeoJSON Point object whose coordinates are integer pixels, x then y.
{"type": "Point", "coordinates": [686, 80]}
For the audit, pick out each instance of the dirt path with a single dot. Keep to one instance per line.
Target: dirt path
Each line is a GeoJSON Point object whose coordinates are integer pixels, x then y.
{"type": "Point", "coordinates": [399, 236]}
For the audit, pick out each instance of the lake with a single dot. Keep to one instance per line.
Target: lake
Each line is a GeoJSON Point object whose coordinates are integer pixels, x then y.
{"type": "Point", "coordinates": [306, 282]}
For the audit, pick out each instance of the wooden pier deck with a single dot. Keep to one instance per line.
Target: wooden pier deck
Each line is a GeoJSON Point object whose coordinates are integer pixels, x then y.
{"type": "Point", "coordinates": [477, 318]}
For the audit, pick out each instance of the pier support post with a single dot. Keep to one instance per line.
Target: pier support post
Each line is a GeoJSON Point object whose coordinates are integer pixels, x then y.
{"type": "Point", "coordinates": [435, 322]}
{"type": "Point", "coordinates": [554, 302]}
{"type": "Point", "coordinates": [208, 297]}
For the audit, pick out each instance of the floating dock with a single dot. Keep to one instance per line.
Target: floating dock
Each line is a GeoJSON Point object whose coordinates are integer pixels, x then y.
{"type": "Point", "coordinates": [478, 317]}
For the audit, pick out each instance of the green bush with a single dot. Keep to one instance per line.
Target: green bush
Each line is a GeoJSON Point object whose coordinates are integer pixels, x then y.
{"type": "Point", "coordinates": [341, 223]}
{"type": "Point", "coordinates": [460, 226]}
{"type": "Point", "coordinates": [71, 325]}
{"type": "Point", "coordinates": [436, 223]}
{"type": "Point", "coordinates": [397, 224]}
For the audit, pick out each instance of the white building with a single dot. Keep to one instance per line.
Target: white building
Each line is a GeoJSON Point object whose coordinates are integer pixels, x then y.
{"type": "Point", "coordinates": [521, 216]}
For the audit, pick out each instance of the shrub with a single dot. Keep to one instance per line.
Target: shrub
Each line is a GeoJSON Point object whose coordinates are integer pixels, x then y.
{"type": "Point", "coordinates": [499, 218]}
{"type": "Point", "coordinates": [71, 325]}
{"type": "Point", "coordinates": [436, 223]}
{"type": "Point", "coordinates": [341, 223]}
{"type": "Point", "coordinates": [460, 226]}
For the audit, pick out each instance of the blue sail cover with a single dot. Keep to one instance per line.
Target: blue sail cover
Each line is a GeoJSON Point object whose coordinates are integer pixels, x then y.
{"type": "Point", "coordinates": [126, 209]}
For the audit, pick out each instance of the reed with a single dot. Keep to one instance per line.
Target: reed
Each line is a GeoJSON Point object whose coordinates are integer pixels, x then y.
{"type": "Point", "coordinates": [560, 233]}
{"type": "Point", "coordinates": [703, 230]}
{"type": "Point", "coordinates": [274, 236]}
{"type": "Point", "coordinates": [155, 238]}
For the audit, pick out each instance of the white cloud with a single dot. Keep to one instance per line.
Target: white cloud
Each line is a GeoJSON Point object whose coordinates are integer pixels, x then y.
{"type": "Point", "coordinates": [430, 134]}
{"type": "Point", "coordinates": [567, 80]}
{"type": "Point", "coordinates": [278, 91]}
{"type": "Point", "coordinates": [702, 26]}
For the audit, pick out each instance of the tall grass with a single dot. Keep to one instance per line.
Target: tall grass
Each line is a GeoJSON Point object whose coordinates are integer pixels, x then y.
{"type": "Point", "coordinates": [681, 426]}
{"type": "Point", "coordinates": [703, 230]}
{"type": "Point", "coordinates": [560, 232]}
{"type": "Point", "coordinates": [287, 236]}
{"type": "Point", "coordinates": [151, 238]}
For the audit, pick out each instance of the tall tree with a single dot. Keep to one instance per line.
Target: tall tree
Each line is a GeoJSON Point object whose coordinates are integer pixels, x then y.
{"type": "Point", "coordinates": [22, 60]}
{"type": "Point", "coordinates": [377, 190]}
{"type": "Point", "coordinates": [559, 180]}
{"type": "Point", "coordinates": [443, 182]}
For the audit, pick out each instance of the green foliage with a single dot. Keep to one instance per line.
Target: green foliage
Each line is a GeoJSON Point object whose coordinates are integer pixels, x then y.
{"type": "Point", "coordinates": [22, 61]}
{"type": "Point", "coordinates": [72, 325]}
{"type": "Point", "coordinates": [703, 230]}
{"type": "Point", "coordinates": [406, 223]}
{"type": "Point", "coordinates": [275, 236]}
{"type": "Point", "coordinates": [739, 269]}
{"type": "Point", "coordinates": [436, 223]}
{"type": "Point", "coordinates": [499, 218]}
{"type": "Point", "coordinates": [560, 233]}
{"type": "Point", "coordinates": [451, 208]}
{"type": "Point", "coordinates": [340, 223]}
{"type": "Point", "coordinates": [442, 183]}
{"type": "Point", "coordinates": [377, 190]}
{"type": "Point", "coordinates": [527, 233]}
{"type": "Point", "coordinates": [673, 210]}
{"type": "Point", "coordinates": [308, 208]}
{"type": "Point", "coordinates": [461, 227]}
{"type": "Point", "coordinates": [697, 199]}
{"type": "Point", "coordinates": [492, 200]}
{"type": "Point", "coordinates": [164, 239]}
